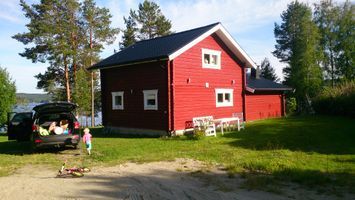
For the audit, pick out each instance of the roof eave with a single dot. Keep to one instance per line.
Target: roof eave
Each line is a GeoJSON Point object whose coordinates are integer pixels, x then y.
{"type": "Point", "coordinates": [269, 89]}
{"type": "Point", "coordinates": [161, 58]}
{"type": "Point", "coordinates": [226, 38]}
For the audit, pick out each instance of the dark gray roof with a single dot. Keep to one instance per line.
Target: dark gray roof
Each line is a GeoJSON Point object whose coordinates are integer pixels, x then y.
{"type": "Point", "coordinates": [263, 84]}
{"type": "Point", "coordinates": [152, 49]}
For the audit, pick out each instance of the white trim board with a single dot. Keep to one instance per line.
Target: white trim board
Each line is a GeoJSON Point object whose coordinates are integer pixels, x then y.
{"type": "Point", "coordinates": [226, 38]}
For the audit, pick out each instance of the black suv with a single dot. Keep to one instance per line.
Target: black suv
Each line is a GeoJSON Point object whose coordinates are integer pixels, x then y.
{"type": "Point", "coordinates": [49, 125]}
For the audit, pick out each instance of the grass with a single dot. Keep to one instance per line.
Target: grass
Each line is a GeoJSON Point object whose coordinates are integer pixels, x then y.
{"type": "Point", "coordinates": [309, 150]}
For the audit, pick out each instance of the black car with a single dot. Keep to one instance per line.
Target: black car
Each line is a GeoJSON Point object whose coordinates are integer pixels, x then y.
{"type": "Point", "coordinates": [51, 125]}
{"type": "Point", "coordinates": [19, 126]}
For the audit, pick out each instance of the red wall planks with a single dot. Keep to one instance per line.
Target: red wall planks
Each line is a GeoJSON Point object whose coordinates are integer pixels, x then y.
{"type": "Point", "coordinates": [133, 80]}
{"type": "Point", "coordinates": [261, 106]}
{"type": "Point", "coordinates": [191, 96]}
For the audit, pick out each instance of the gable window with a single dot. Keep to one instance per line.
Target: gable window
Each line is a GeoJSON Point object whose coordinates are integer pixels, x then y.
{"type": "Point", "coordinates": [150, 99]}
{"type": "Point", "coordinates": [224, 97]}
{"type": "Point", "coordinates": [117, 100]}
{"type": "Point", "coordinates": [211, 59]}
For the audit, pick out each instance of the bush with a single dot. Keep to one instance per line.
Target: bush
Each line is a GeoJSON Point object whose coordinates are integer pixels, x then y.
{"type": "Point", "coordinates": [291, 105]}
{"type": "Point", "coordinates": [339, 100]}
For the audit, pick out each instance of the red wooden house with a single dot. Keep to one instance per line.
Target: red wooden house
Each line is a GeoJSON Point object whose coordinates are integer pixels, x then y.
{"type": "Point", "coordinates": [159, 85]}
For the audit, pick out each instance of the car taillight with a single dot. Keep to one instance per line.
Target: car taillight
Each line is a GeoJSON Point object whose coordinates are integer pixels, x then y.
{"type": "Point", "coordinates": [34, 127]}
{"type": "Point", "coordinates": [76, 125]}
{"type": "Point", "coordinates": [38, 141]}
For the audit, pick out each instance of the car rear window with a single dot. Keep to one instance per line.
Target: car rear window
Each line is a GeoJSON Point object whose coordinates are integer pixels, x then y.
{"type": "Point", "coordinates": [20, 117]}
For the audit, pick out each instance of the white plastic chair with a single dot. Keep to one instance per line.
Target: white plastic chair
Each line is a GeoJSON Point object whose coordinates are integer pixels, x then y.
{"type": "Point", "coordinates": [205, 123]}
{"type": "Point", "coordinates": [241, 119]}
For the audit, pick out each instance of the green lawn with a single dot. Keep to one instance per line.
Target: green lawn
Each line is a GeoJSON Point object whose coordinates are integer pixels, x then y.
{"type": "Point", "coordinates": [310, 150]}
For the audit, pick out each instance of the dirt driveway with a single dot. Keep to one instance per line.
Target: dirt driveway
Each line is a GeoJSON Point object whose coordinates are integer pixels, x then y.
{"type": "Point", "coordinates": [180, 179]}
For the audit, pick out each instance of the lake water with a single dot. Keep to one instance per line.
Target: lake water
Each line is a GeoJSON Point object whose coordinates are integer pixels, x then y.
{"type": "Point", "coordinates": [83, 120]}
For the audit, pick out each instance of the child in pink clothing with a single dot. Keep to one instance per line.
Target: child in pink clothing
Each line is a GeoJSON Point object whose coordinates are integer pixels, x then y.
{"type": "Point", "coordinates": [87, 140]}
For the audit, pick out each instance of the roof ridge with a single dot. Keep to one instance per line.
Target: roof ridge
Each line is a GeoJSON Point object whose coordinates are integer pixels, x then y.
{"type": "Point", "coordinates": [173, 34]}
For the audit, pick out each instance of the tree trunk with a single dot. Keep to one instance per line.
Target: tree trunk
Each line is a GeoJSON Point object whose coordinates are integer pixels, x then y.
{"type": "Point", "coordinates": [67, 84]}
{"type": "Point", "coordinates": [92, 86]}
{"type": "Point", "coordinates": [92, 100]}
{"type": "Point", "coordinates": [332, 66]}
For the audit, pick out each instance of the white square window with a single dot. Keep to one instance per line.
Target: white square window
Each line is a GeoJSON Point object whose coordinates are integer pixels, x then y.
{"type": "Point", "coordinates": [150, 99]}
{"type": "Point", "coordinates": [117, 100]}
{"type": "Point", "coordinates": [224, 97]}
{"type": "Point", "coordinates": [211, 59]}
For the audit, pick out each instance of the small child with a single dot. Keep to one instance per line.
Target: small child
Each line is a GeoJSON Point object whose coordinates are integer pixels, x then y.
{"type": "Point", "coordinates": [87, 140]}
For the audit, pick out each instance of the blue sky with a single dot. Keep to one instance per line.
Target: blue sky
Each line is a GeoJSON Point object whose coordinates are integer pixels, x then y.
{"type": "Point", "coordinates": [250, 22]}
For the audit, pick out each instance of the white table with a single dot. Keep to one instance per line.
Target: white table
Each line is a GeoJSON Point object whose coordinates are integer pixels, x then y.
{"type": "Point", "coordinates": [227, 120]}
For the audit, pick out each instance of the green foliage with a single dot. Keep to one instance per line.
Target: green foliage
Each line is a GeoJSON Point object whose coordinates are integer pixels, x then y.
{"type": "Point", "coordinates": [82, 92]}
{"type": "Point", "coordinates": [7, 94]}
{"type": "Point", "coordinates": [197, 134]}
{"type": "Point", "coordinates": [346, 42]}
{"type": "Point", "coordinates": [326, 16]}
{"type": "Point", "coordinates": [68, 35]}
{"type": "Point", "coordinates": [291, 105]}
{"type": "Point", "coordinates": [335, 23]}
{"type": "Point", "coordinates": [145, 23]}
{"type": "Point", "coordinates": [297, 44]}
{"type": "Point", "coordinates": [267, 71]}
{"type": "Point", "coordinates": [129, 34]}
{"type": "Point", "coordinates": [339, 100]}
{"type": "Point", "coordinates": [152, 21]}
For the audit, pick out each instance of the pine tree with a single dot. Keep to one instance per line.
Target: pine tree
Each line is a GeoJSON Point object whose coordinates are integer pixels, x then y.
{"type": "Point", "coordinates": [82, 92]}
{"type": "Point", "coordinates": [129, 34]}
{"type": "Point", "coordinates": [96, 32]}
{"type": "Point", "coordinates": [151, 20]}
{"type": "Point", "coordinates": [267, 71]}
{"type": "Point", "coordinates": [297, 45]}
{"type": "Point", "coordinates": [53, 31]}
{"type": "Point", "coordinates": [146, 23]}
{"type": "Point", "coordinates": [67, 35]}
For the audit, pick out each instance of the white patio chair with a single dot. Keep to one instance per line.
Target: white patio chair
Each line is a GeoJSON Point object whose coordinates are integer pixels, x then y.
{"type": "Point", "coordinates": [205, 123]}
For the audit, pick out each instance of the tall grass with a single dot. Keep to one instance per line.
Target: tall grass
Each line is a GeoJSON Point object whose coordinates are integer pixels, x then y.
{"type": "Point", "coordinates": [339, 100]}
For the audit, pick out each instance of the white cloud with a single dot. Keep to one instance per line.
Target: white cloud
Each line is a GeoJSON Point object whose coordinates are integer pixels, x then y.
{"type": "Point", "coordinates": [236, 15]}
{"type": "Point", "coordinates": [11, 11]}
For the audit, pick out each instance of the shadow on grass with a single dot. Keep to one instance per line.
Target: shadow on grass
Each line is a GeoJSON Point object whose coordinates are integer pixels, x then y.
{"type": "Point", "coordinates": [101, 132]}
{"type": "Point", "coordinates": [23, 148]}
{"type": "Point", "coordinates": [338, 184]}
{"type": "Point", "coordinates": [322, 134]}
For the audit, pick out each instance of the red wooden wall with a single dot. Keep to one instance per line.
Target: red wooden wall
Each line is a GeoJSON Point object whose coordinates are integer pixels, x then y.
{"type": "Point", "coordinates": [261, 106]}
{"type": "Point", "coordinates": [192, 98]}
{"type": "Point", "coordinates": [133, 80]}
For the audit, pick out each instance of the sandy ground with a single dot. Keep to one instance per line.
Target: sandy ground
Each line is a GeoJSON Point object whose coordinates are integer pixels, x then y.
{"type": "Point", "coordinates": [180, 179]}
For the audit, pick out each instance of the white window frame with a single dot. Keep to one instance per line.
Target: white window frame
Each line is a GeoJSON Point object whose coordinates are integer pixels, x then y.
{"type": "Point", "coordinates": [114, 106]}
{"type": "Point", "coordinates": [146, 93]}
{"type": "Point", "coordinates": [224, 92]}
{"type": "Point", "coordinates": [211, 53]}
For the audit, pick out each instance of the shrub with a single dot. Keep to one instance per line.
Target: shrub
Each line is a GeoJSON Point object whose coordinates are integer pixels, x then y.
{"type": "Point", "coordinates": [339, 100]}
{"type": "Point", "coordinates": [291, 105]}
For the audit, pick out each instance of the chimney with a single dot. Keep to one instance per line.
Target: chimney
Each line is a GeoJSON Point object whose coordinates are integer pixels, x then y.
{"type": "Point", "coordinates": [257, 73]}
{"type": "Point", "coordinates": [253, 73]}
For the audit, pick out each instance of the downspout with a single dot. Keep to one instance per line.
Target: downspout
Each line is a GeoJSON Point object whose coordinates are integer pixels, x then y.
{"type": "Point", "coordinates": [103, 97]}
{"type": "Point", "coordinates": [170, 96]}
{"type": "Point", "coordinates": [244, 91]}
{"type": "Point", "coordinates": [283, 104]}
